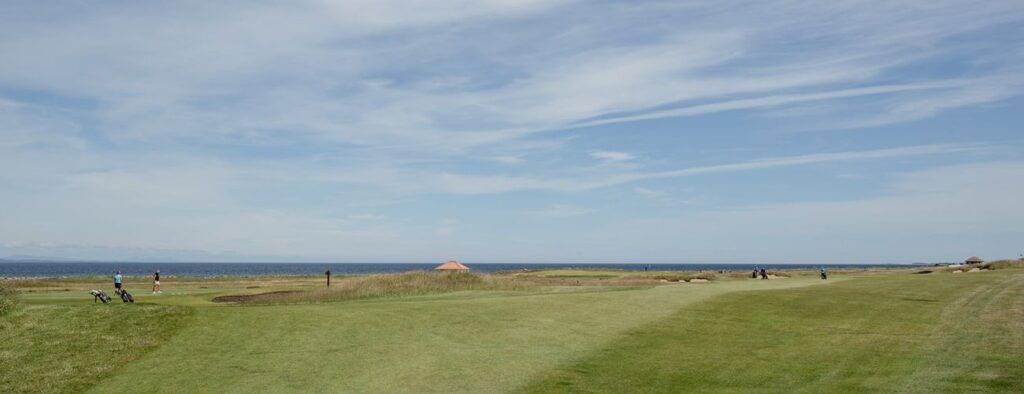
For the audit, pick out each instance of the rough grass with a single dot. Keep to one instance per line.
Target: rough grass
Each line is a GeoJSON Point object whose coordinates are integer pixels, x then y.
{"type": "Point", "coordinates": [391, 285]}
{"type": "Point", "coordinates": [616, 276]}
{"type": "Point", "coordinates": [70, 348]}
{"type": "Point", "coordinates": [1002, 264]}
{"type": "Point", "coordinates": [686, 276]}
{"type": "Point", "coordinates": [575, 273]}
{"type": "Point", "coordinates": [8, 299]}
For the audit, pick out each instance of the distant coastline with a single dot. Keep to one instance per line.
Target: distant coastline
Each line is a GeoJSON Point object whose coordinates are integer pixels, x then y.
{"type": "Point", "coordinates": [57, 269]}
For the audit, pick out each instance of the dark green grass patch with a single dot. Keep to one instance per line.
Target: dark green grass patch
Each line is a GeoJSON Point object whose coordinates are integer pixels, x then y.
{"type": "Point", "coordinates": [69, 348]}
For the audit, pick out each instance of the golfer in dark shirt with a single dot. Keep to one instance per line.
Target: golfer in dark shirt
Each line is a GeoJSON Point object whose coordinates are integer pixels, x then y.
{"type": "Point", "coordinates": [156, 282]}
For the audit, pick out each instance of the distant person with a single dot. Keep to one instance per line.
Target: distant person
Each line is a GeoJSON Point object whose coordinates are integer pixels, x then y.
{"type": "Point", "coordinates": [824, 275]}
{"type": "Point", "coordinates": [328, 273]}
{"type": "Point", "coordinates": [764, 274]}
{"type": "Point", "coordinates": [117, 282]}
{"type": "Point", "coordinates": [754, 274]}
{"type": "Point", "coordinates": [156, 282]}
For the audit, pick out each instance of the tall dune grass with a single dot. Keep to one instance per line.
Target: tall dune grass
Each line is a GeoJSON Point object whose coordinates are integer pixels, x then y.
{"type": "Point", "coordinates": [393, 285]}
{"type": "Point", "coordinates": [1002, 264]}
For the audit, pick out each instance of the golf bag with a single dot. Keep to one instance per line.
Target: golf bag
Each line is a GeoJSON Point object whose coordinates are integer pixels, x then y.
{"type": "Point", "coordinates": [99, 295]}
{"type": "Point", "coordinates": [125, 296]}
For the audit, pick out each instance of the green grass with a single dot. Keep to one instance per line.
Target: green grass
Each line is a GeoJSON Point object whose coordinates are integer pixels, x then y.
{"type": "Point", "coordinates": [895, 333]}
{"type": "Point", "coordinates": [65, 348]}
{"type": "Point", "coordinates": [873, 331]}
{"type": "Point", "coordinates": [475, 341]}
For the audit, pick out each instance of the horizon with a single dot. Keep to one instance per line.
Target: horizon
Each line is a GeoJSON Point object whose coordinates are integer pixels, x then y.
{"type": "Point", "coordinates": [45, 260]}
{"type": "Point", "coordinates": [558, 131]}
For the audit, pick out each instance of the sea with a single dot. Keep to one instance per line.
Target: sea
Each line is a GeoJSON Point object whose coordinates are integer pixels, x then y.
{"type": "Point", "coordinates": [37, 269]}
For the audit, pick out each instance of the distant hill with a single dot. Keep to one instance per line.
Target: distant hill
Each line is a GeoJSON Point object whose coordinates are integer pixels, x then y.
{"type": "Point", "coordinates": [19, 258]}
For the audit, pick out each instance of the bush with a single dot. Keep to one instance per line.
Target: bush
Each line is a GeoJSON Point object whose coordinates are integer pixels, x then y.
{"type": "Point", "coordinates": [8, 299]}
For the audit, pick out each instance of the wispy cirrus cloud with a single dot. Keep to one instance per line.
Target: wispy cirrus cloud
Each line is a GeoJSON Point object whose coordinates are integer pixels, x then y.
{"type": "Point", "coordinates": [327, 76]}
{"type": "Point", "coordinates": [473, 184]}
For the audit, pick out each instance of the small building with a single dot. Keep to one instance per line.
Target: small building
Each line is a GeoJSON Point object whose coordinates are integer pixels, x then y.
{"type": "Point", "coordinates": [452, 265]}
{"type": "Point", "coordinates": [974, 260]}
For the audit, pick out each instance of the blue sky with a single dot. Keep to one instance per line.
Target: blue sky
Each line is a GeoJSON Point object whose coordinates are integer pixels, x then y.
{"type": "Point", "coordinates": [512, 131]}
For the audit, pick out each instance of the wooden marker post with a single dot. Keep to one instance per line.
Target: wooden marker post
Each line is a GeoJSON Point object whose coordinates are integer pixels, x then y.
{"type": "Point", "coordinates": [328, 273]}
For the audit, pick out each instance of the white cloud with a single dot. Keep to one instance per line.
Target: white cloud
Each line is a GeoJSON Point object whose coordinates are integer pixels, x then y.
{"type": "Point", "coordinates": [557, 211]}
{"type": "Point", "coordinates": [648, 192]}
{"type": "Point", "coordinates": [510, 160]}
{"type": "Point", "coordinates": [612, 156]}
{"type": "Point", "coordinates": [776, 100]}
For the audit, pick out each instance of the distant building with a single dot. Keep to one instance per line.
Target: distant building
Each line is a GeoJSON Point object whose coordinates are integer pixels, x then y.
{"type": "Point", "coordinates": [452, 266]}
{"type": "Point", "coordinates": [974, 260]}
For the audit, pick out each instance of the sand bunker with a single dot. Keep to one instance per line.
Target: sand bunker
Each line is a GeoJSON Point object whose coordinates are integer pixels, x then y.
{"type": "Point", "coordinates": [247, 297]}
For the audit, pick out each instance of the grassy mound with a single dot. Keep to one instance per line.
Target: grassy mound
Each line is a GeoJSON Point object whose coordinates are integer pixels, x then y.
{"type": "Point", "coordinates": [70, 348]}
{"type": "Point", "coordinates": [388, 285]}
{"type": "Point", "coordinates": [1002, 264]}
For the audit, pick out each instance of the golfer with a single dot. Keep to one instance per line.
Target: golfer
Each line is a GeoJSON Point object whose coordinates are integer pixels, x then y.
{"type": "Point", "coordinates": [117, 281]}
{"type": "Point", "coordinates": [156, 282]}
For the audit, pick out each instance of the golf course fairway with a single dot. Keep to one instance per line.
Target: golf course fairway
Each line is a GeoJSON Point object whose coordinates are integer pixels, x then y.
{"type": "Point", "coordinates": [893, 331]}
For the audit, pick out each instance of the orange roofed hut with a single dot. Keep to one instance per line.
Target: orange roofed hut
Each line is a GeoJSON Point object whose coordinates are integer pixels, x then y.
{"type": "Point", "coordinates": [452, 266]}
{"type": "Point", "coordinates": [974, 260]}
